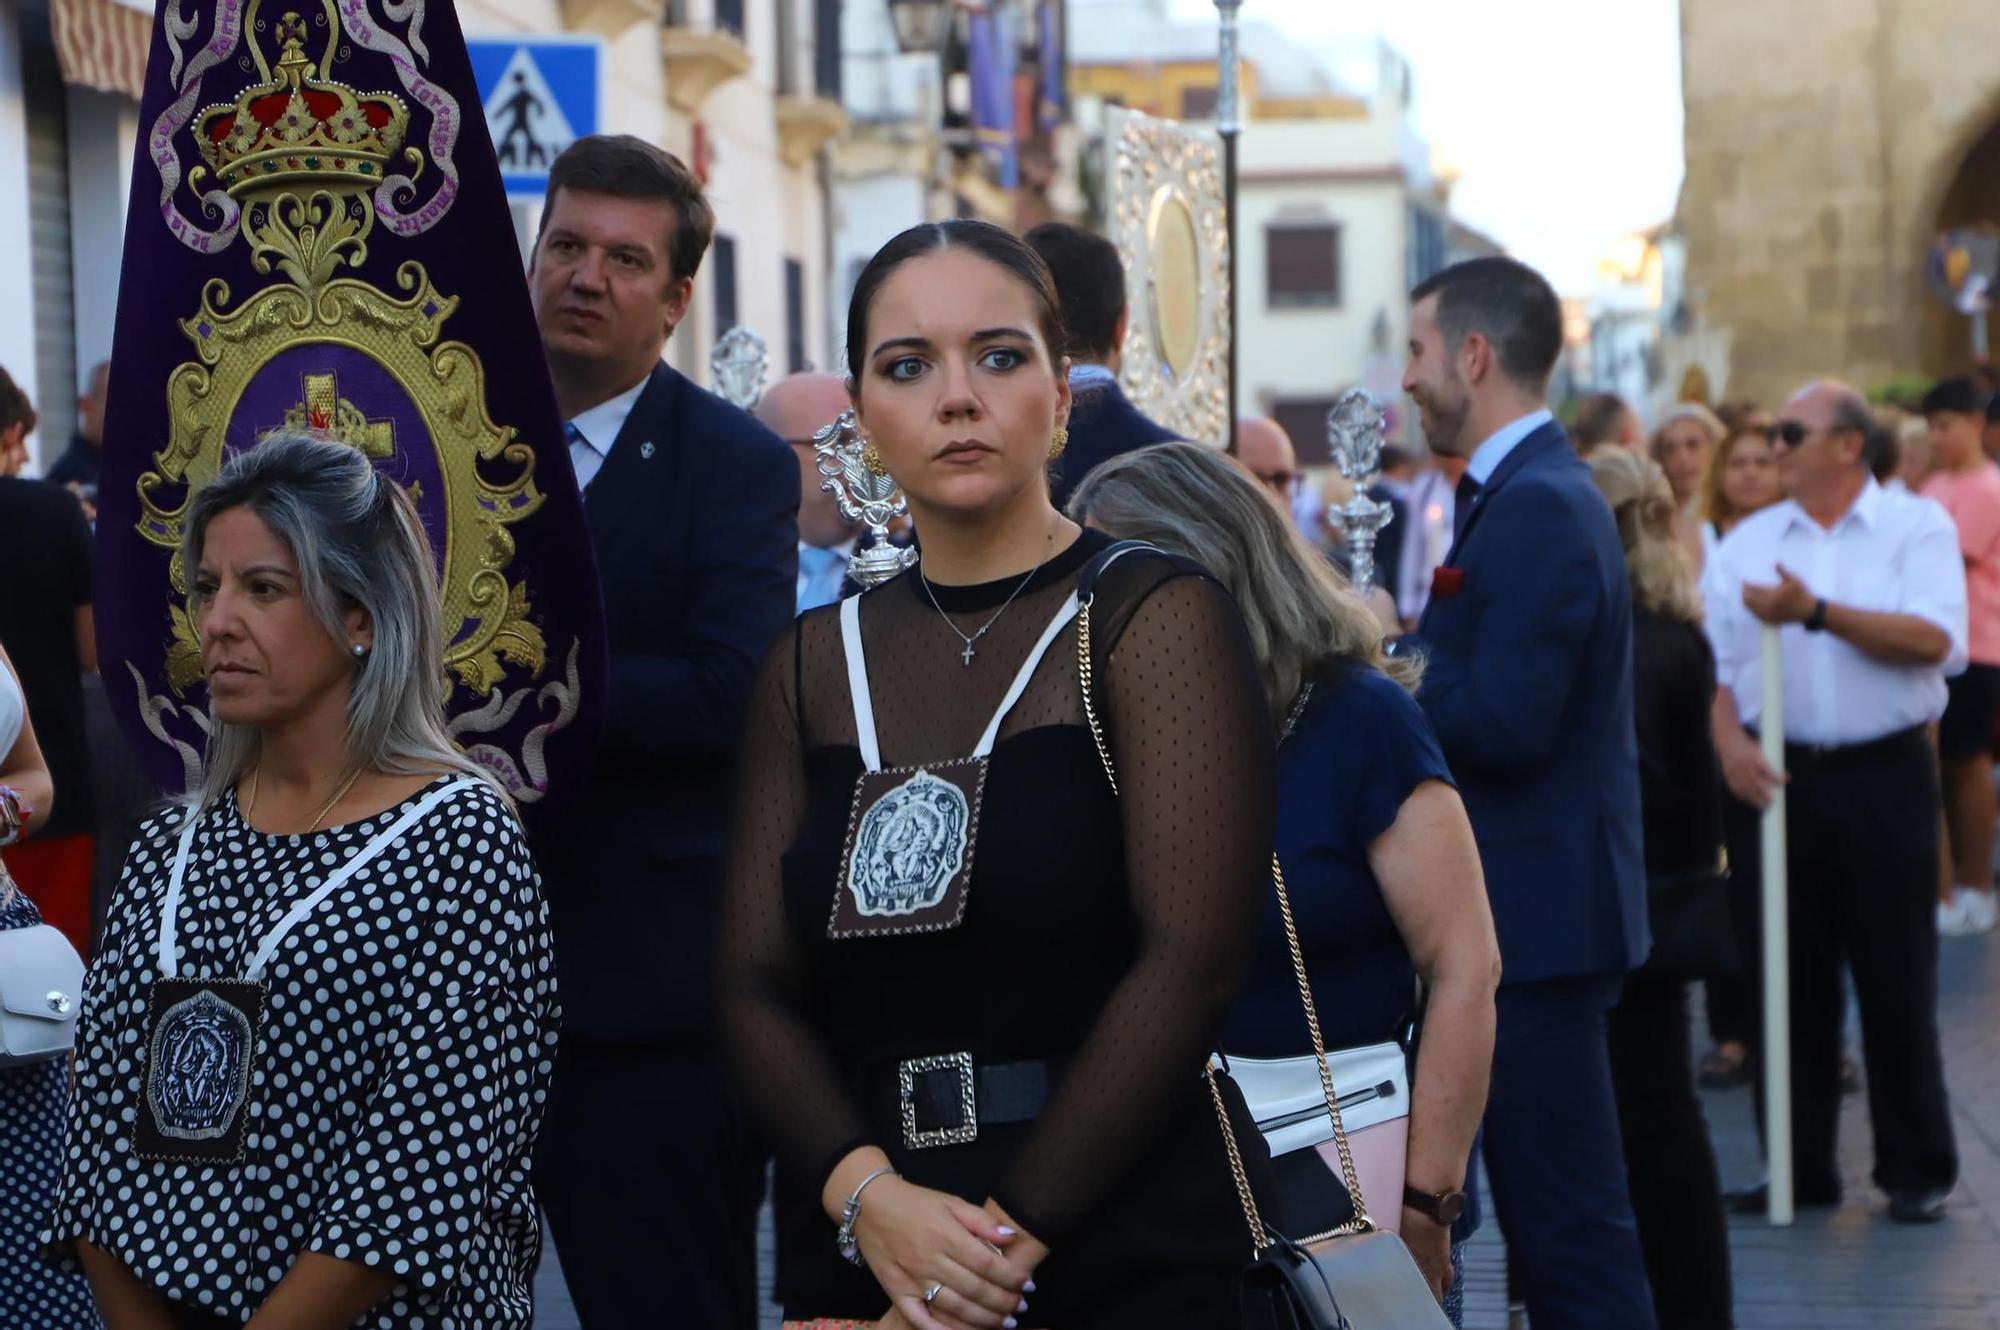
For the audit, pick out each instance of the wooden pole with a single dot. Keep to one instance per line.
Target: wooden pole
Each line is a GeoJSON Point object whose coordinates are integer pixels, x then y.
{"type": "Point", "coordinates": [1777, 957]}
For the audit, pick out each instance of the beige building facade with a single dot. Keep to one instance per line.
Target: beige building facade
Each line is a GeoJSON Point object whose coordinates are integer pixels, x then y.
{"type": "Point", "coordinates": [1829, 142]}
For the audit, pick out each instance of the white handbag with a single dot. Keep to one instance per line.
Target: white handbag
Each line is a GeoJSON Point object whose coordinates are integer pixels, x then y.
{"type": "Point", "coordinates": [41, 994]}
{"type": "Point", "coordinates": [1372, 1085]}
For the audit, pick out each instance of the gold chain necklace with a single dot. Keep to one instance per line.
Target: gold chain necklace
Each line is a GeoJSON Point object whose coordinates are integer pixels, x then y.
{"type": "Point", "coordinates": [325, 808]}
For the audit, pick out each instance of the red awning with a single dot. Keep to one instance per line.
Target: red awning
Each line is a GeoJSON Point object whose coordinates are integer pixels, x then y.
{"type": "Point", "coordinates": [102, 44]}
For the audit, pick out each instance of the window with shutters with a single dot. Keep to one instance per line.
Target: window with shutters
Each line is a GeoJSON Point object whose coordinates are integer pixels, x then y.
{"type": "Point", "coordinates": [52, 300]}
{"type": "Point", "coordinates": [1198, 103]}
{"type": "Point", "coordinates": [1304, 421]}
{"type": "Point", "coordinates": [787, 32]}
{"type": "Point", "coordinates": [826, 48]}
{"type": "Point", "coordinates": [722, 262]}
{"type": "Point", "coordinates": [795, 316]}
{"type": "Point", "coordinates": [1302, 266]}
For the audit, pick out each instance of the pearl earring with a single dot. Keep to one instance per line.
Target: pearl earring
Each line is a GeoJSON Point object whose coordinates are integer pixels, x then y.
{"type": "Point", "coordinates": [359, 651]}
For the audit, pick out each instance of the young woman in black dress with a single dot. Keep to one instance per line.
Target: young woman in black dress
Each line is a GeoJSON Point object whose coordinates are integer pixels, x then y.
{"type": "Point", "coordinates": [1001, 1062]}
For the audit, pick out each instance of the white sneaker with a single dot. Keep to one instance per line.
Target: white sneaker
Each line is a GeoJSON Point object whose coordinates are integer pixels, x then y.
{"type": "Point", "coordinates": [1952, 920]}
{"type": "Point", "coordinates": [1970, 911]}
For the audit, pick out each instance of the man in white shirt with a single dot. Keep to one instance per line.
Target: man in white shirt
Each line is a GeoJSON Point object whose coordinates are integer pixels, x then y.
{"type": "Point", "coordinates": [1868, 592]}
{"type": "Point", "coordinates": [796, 408]}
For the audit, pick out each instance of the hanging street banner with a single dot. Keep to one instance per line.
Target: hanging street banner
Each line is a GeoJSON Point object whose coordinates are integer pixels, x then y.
{"type": "Point", "coordinates": [540, 95]}
{"type": "Point", "coordinates": [317, 237]}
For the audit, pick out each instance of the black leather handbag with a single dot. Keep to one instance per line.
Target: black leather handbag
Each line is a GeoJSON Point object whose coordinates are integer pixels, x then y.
{"type": "Point", "coordinates": [1354, 1277]}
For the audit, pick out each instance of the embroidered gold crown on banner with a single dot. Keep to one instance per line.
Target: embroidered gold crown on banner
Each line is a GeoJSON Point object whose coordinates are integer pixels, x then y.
{"type": "Point", "coordinates": [299, 129]}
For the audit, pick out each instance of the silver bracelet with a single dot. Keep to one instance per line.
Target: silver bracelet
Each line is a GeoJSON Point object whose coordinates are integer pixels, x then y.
{"type": "Point", "coordinates": [850, 1247]}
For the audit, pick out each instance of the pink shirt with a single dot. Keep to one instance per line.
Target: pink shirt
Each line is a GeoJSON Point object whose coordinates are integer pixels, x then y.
{"type": "Point", "coordinates": [1973, 500]}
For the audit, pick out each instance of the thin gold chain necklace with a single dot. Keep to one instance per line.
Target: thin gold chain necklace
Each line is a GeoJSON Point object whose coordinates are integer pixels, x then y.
{"type": "Point", "coordinates": [325, 808]}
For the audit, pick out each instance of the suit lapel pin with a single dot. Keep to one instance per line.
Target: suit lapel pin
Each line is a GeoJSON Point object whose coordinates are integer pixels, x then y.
{"type": "Point", "coordinates": [646, 450]}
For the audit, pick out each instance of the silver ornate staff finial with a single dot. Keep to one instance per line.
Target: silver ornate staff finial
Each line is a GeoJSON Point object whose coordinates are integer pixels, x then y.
{"type": "Point", "coordinates": [1354, 436]}
{"type": "Point", "coordinates": [739, 366]}
{"type": "Point", "coordinates": [863, 497]}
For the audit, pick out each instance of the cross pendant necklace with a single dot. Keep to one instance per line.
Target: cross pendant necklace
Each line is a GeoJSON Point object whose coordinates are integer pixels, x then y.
{"type": "Point", "coordinates": [971, 641]}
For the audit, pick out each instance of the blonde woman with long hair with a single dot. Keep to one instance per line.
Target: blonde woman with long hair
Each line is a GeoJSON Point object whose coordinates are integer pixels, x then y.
{"type": "Point", "coordinates": [1684, 445]}
{"type": "Point", "coordinates": [1670, 1163]}
{"type": "Point", "coordinates": [1377, 851]}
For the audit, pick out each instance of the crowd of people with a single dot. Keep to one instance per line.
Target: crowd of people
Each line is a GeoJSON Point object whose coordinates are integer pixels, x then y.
{"type": "Point", "coordinates": [957, 896]}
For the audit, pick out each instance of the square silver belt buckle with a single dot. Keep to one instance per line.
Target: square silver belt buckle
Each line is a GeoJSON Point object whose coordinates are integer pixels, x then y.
{"type": "Point", "coordinates": [906, 1080]}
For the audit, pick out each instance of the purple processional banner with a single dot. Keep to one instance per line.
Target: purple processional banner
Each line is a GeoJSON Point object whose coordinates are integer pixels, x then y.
{"type": "Point", "coordinates": [317, 236]}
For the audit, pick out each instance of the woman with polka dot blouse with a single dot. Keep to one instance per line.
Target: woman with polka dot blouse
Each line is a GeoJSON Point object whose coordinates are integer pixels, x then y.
{"type": "Point", "coordinates": [316, 1044]}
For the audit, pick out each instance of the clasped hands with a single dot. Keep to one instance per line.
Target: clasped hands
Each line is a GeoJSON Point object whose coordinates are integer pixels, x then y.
{"type": "Point", "coordinates": [914, 1238]}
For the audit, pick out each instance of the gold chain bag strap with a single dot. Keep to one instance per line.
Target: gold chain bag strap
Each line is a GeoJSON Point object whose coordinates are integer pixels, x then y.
{"type": "Point", "coordinates": [1356, 1276]}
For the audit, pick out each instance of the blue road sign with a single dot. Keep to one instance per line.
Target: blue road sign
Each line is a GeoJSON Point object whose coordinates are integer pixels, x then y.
{"type": "Point", "coordinates": [540, 95]}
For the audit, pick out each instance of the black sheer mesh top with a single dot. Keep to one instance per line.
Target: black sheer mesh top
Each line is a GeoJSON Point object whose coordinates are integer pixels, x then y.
{"type": "Point", "coordinates": [1103, 933]}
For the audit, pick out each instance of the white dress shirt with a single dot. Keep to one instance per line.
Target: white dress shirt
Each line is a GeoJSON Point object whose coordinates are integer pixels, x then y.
{"type": "Point", "coordinates": [1488, 456]}
{"type": "Point", "coordinates": [592, 433]}
{"type": "Point", "coordinates": [1428, 510]}
{"type": "Point", "coordinates": [1890, 553]}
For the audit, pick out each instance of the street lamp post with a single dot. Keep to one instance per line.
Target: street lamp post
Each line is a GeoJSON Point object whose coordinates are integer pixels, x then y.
{"type": "Point", "coordinates": [1229, 124]}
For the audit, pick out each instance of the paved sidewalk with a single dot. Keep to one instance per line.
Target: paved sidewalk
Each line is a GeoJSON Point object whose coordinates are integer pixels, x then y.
{"type": "Point", "coordinates": [1851, 1267]}
{"type": "Point", "coordinates": [1847, 1268]}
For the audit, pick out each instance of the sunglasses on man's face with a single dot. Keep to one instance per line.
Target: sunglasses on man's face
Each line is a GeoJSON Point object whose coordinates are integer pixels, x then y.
{"type": "Point", "coordinates": [1789, 432]}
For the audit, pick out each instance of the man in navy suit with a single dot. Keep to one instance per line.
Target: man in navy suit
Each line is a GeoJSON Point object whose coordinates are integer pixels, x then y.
{"type": "Point", "coordinates": [1090, 283]}
{"type": "Point", "coordinates": [644, 1167]}
{"type": "Point", "coordinates": [1529, 639]}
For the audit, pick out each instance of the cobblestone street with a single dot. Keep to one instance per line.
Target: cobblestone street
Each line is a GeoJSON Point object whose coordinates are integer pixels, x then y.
{"type": "Point", "coordinates": [1850, 1267]}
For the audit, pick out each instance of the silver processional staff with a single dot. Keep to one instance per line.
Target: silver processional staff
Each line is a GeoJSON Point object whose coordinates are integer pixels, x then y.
{"type": "Point", "coordinates": [1354, 437]}
{"type": "Point", "coordinates": [739, 367]}
{"type": "Point", "coordinates": [864, 496]}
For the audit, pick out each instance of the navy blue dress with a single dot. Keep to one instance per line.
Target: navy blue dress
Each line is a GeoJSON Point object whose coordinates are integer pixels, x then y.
{"type": "Point", "coordinates": [1357, 751]}
{"type": "Point", "coordinates": [34, 1101]}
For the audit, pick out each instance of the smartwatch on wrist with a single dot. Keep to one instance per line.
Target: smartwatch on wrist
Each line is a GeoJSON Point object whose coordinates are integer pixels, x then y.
{"type": "Point", "coordinates": [1442, 1207]}
{"type": "Point", "coordinates": [1816, 621]}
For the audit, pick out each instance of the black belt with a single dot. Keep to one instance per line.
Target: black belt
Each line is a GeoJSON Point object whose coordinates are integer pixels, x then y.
{"type": "Point", "coordinates": [1839, 755]}
{"type": "Point", "coordinates": [945, 1100]}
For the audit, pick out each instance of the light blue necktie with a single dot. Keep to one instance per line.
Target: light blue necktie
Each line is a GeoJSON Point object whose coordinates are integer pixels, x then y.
{"type": "Point", "coordinates": [582, 457]}
{"type": "Point", "coordinates": [821, 572]}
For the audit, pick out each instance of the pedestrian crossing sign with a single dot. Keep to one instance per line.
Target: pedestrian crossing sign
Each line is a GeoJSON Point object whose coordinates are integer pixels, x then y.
{"type": "Point", "coordinates": [539, 96]}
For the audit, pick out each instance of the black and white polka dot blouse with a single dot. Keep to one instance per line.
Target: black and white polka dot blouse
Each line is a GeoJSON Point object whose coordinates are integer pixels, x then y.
{"type": "Point", "coordinates": [409, 1034]}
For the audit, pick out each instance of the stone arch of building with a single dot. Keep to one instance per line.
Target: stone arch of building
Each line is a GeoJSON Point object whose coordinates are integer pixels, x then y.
{"type": "Point", "coordinates": [1964, 188]}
